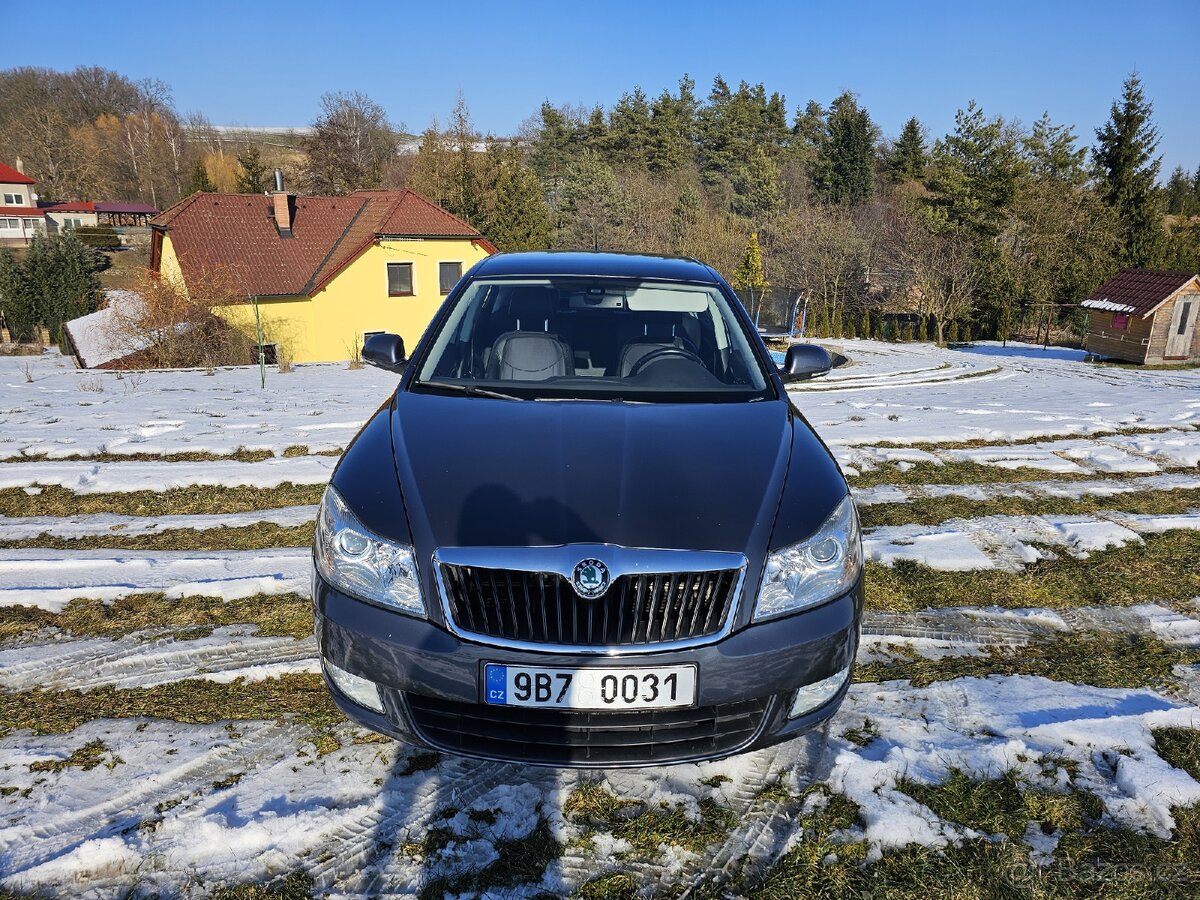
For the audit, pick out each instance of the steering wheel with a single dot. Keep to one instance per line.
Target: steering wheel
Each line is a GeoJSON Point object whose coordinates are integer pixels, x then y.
{"type": "Point", "coordinates": [664, 353]}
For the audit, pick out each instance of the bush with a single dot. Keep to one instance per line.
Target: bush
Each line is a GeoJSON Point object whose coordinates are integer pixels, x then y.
{"type": "Point", "coordinates": [103, 237]}
{"type": "Point", "coordinates": [54, 283]}
{"type": "Point", "coordinates": [167, 327]}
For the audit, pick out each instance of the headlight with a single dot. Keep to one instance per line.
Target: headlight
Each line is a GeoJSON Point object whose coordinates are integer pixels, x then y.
{"type": "Point", "coordinates": [361, 563]}
{"type": "Point", "coordinates": [818, 569]}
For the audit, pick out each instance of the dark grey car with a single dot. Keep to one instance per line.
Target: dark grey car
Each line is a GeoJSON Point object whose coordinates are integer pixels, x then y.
{"type": "Point", "coordinates": [588, 528]}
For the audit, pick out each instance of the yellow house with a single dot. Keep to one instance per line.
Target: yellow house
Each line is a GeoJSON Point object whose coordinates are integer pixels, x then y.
{"type": "Point", "coordinates": [319, 273]}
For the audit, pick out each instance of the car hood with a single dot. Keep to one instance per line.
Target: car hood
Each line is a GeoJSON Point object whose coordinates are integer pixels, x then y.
{"type": "Point", "coordinates": [478, 472]}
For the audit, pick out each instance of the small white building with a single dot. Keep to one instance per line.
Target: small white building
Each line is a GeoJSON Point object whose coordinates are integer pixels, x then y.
{"type": "Point", "coordinates": [66, 216]}
{"type": "Point", "coordinates": [20, 217]}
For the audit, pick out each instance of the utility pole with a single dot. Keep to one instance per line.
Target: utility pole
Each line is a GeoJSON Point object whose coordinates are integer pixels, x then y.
{"type": "Point", "coordinates": [262, 358]}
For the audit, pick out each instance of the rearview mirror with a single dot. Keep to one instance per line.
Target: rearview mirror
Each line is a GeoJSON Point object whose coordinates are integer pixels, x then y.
{"type": "Point", "coordinates": [804, 361]}
{"type": "Point", "coordinates": [385, 351]}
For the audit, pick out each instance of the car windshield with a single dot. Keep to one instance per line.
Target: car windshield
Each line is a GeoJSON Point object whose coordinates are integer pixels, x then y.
{"type": "Point", "coordinates": [594, 339]}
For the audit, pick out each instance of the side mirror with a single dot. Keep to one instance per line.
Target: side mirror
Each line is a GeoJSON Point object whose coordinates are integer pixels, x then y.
{"type": "Point", "coordinates": [804, 361]}
{"type": "Point", "coordinates": [385, 351]}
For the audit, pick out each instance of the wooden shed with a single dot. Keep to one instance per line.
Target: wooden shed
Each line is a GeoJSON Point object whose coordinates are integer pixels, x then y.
{"type": "Point", "coordinates": [1145, 316]}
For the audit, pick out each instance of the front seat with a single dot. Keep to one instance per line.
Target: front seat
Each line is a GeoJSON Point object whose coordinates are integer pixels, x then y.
{"type": "Point", "coordinates": [530, 352]}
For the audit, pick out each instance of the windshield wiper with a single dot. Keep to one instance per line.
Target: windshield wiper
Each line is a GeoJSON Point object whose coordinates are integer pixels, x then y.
{"type": "Point", "coordinates": [471, 390]}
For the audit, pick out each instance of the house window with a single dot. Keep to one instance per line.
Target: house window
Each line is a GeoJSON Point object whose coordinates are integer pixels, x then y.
{"type": "Point", "coordinates": [14, 199]}
{"type": "Point", "coordinates": [10, 223]}
{"type": "Point", "coordinates": [1120, 322]}
{"type": "Point", "coordinates": [448, 275]}
{"type": "Point", "coordinates": [400, 280]}
{"type": "Point", "coordinates": [1183, 317]}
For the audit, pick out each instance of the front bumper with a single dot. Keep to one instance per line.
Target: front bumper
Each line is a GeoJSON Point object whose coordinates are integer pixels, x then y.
{"type": "Point", "coordinates": [430, 683]}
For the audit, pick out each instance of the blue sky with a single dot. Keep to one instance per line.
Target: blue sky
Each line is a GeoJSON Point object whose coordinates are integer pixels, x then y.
{"type": "Point", "coordinates": [267, 64]}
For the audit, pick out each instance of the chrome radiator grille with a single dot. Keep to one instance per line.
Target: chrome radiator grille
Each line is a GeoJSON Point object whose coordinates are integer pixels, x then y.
{"type": "Point", "coordinates": [637, 609]}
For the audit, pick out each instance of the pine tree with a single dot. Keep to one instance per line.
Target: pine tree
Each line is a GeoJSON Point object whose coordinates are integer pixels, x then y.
{"type": "Point", "coordinates": [56, 282]}
{"type": "Point", "coordinates": [816, 320]}
{"type": "Point", "coordinates": [1124, 157]}
{"type": "Point", "coordinates": [756, 193]}
{"type": "Point", "coordinates": [672, 122]}
{"type": "Point", "coordinates": [908, 158]}
{"type": "Point", "coordinates": [517, 217]}
{"type": "Point", "coordinates": [200, 182]}
{"type": "Point", "coordinates": [593, 207]}
{"type": "Point", "coordinates": [629, 130]}
{"type": "Point", "coordinates": [807, 134]}
{"type": "Point", "coordinates": [846, 164]}
{"type": "Point", "coordinates": [864, 325]}
{"type": "Point", "coordinates": [1178, 195]}
{"type": "Point", "coordinates": [685, 215]}
{"type": "Point", "coordinates": [1051, 152]}
{"type": "Point", "coordinates": [749, 278]}
{"type": "Point", "coordinates": [466, 194]}
{"type": "Point", "coordinates": [253, 176]}
{"type": "Point", "coordinates": [975, 173]}
{"type": "Point", "coordinates": [551, 151]}
{"type": "Point", "coordinates": [429, 174]}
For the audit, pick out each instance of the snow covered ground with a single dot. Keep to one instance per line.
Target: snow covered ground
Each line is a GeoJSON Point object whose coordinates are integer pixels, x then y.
{"type": "Point", "coordinates": [148, 804]}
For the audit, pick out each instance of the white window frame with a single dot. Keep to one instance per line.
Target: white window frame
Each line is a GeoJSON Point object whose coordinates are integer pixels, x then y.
{"type": "Point", "coordinates": [14, 199]}
{"type": "Point", "coordinates": [412, 278]}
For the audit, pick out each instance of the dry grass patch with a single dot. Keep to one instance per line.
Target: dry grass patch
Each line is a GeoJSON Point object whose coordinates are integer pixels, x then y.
{"type": "Point", "coordinates": [1102, 659]}
{"type": "Point", "coordinates": [195, 702]}
{"type": "Point", "coordinates": [241, 454]}
{"type": "Point", "coordinates": [968, 473]}
{"type": "Point", "coordinates": [260, 536]}
{"type": "Point", "coordinates": [1092, 860]}
{"type": "Point", "coordinates": [934, 510]}
{"type": "Point", "coordinates": [1165, 567]}
{"type": "Point", "coordinates": [648, 828]}
{"type": "Point", "coordinates": [54, 500]}
{"type": "Point", "coordinates": [285, 615]}
{"type": "Point", "coordinates": [975, 443]}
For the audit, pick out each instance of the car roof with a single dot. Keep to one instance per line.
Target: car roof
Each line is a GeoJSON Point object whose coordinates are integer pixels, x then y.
{"type": "Point", "coordinates": [605, 265]}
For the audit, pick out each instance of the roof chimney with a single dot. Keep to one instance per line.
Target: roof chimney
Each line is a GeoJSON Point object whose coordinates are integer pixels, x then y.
{"type": "Point", "coordinates": [283, 206]}
{"type": "Point", "coordinates": [21, 166]}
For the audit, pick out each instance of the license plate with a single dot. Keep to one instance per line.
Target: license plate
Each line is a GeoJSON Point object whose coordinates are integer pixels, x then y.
{"type": "Point", "coordinates": [612, 689]}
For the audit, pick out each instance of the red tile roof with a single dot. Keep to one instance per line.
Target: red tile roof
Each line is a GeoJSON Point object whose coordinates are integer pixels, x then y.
{"type": "Point", "coordinates": [26, 211]}
{"type": "Point", "coordinates": [144, 209]}
{"type": "Point", "coordinates": [1137, 291]}
{"type": "Point", "coordinates": [236, 232]}
{"type": "Point", "coordinates": [9, 175]}
{"type": "Point", "coordinates": [87, 206]}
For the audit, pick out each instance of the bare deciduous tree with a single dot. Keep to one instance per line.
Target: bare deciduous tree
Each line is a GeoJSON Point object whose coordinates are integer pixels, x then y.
{"type": "Point", "coordinates": [352, 144]}
{"type": "Point", "coordinates": [163, 325]}
{"type": "Point", "coordinates": [938, 271]}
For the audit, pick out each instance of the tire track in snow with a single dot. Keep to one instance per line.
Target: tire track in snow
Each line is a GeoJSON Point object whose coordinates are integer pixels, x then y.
{"type": "Point", "coordinates": [146, 659]}
{"type": "Point", "coordinates": [122, 477]}
{"type": "Point", "coordinates": [358, 853]}
{"type": "Point", "coordinates": [50, 579]}
{"type": "Point", "coordinates": [258, 742]}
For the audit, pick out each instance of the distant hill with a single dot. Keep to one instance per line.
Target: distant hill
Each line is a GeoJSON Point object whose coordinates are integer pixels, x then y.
{"type": "Point", "coordinates": [288, 136]}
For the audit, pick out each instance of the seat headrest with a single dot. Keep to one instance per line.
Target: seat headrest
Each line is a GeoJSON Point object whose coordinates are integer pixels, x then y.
{"type": "Point", "coordinates": [689, 328]}
{"type": "Point", "coordinates": [533, 303]}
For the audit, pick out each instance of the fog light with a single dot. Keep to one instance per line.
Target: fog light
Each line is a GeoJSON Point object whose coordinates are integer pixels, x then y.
{"type": "Point", "coordinates": [360, 690]}
{"type": "Point", "coordinates": [815, 695]}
